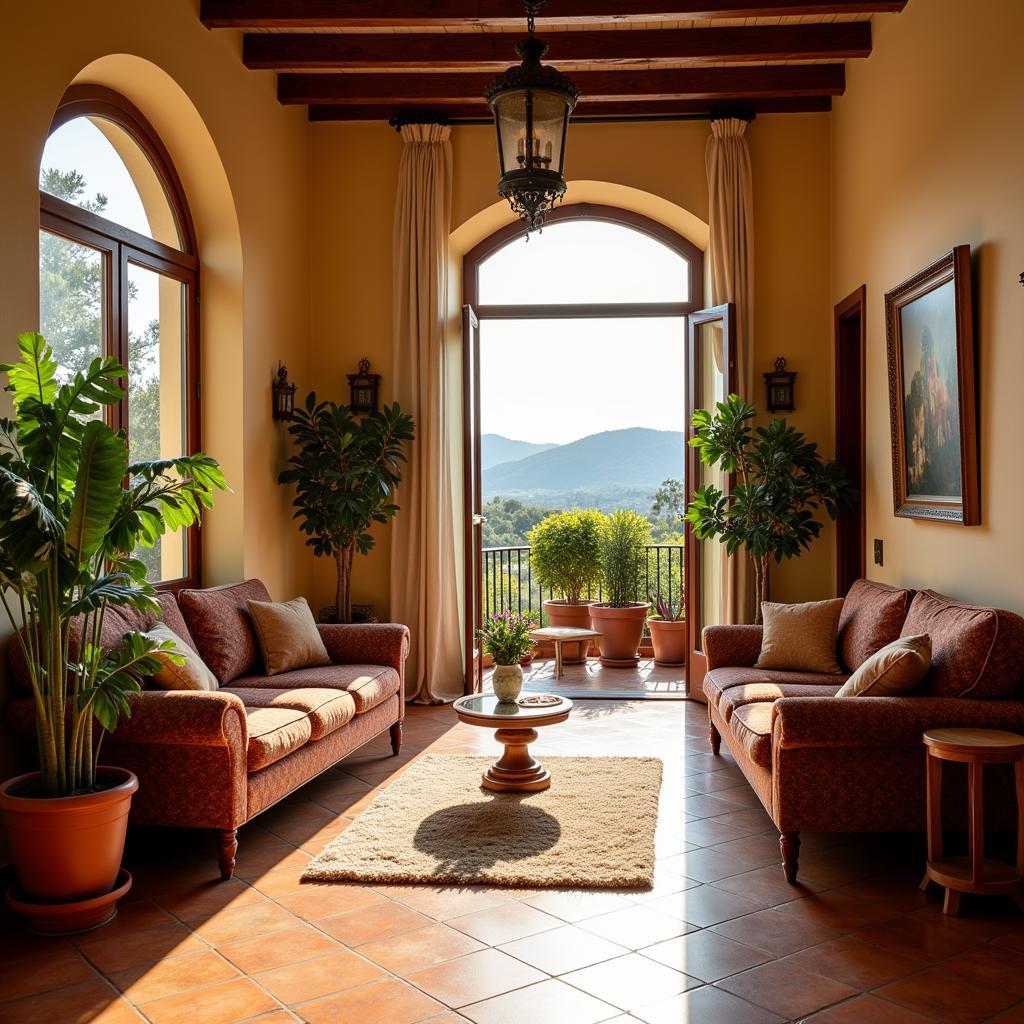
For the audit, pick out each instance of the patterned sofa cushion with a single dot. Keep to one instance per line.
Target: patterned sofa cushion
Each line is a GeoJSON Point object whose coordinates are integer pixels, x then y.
{"type": "Point", "coordinates": [369, 685]}
{"type": "Point", "coordinates": [873, 615]}
{"type": "Point", "coordinates": [737, 697]}
{"type": "Point", "coordinates": [752, 727]}
{"type": "Point", "coordinates": [218, 620]}
{"type": "Point", "coordinates": [769, 682]}
{"type": "Point", "coordinates": [977, 651]}
{"type": "Point", "coordinates": [274, 733]}
{"type": "Point", "coordinates": [327, 710]}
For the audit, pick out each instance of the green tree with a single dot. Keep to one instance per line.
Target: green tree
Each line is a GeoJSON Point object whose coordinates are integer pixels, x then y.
{"type": "Point", "coordinates": [507, 521]}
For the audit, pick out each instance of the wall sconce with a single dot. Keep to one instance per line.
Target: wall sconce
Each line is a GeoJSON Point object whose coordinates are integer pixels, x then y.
{"type": "Point", "coordinates": [781, 387]}
{"type": "Point", "coordinates": [364, 388]}
{"type": "Point", "coordinates": [283, 393]}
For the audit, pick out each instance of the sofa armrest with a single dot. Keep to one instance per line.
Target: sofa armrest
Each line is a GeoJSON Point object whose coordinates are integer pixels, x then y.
{"type": "Point", "coordinates": [370, 643]}
{"type": "Point", "coordinates": [202, 718]}
{"type": "Point", "coordinates": [884, 721]}
{"type": "Point", "coordinates": [732, 646]}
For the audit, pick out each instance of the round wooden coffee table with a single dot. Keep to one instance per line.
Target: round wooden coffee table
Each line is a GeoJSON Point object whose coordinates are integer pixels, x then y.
{"type": "Point", "coordinates": [516, 771]}
{"type": "Point", "coordinates": [974, 873]}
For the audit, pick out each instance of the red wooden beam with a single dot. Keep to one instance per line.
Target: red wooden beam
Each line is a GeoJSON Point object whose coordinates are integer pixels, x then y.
{"type": "Point", "coordinates": [625, 110]}
{"type": "Point", "coordinates": [663, 83]}
{"type": "Point", "coordinates": [369, 13]}
{"type": "Point", "coordinates": [293, 51]}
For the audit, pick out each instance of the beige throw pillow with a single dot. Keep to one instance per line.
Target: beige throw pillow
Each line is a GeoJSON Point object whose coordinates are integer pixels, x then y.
{"type": "Point", "coordinates": [287, 635]}
{"type": "Point", "coordinates": [800, 637]}
{"type": "Point", "coordinates": [192, 675]}
{"type": "Point", "coordinates": [897, 668]}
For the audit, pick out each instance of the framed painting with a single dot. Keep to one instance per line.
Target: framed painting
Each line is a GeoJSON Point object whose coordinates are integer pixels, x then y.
{"type": "Point", "coordinates": [930, 335]}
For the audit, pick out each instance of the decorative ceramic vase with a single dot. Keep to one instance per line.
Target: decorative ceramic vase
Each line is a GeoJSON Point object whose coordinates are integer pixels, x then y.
{"type": "Point", "coordinates": [668, 638]}
{"type": "Point", "coordinates": [561, 613]}
{"type": "Point", "coordinates": [507, 683]}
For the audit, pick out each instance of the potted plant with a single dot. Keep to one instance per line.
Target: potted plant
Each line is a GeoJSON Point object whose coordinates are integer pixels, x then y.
{"type": "Point", "coordinates": [565, 557]}
{"type": "Point", "coordinates": [620, 619]}
{"type": "Point", "coordinates": [345, 470]}
{"type": "Point", "coordinates": [506, 638]}
{"type": "Point", "coordinates": [72, 511]}
{"type": "Point", "coordinates": [668, 631]}
{"type": "Point", "coordinates": [781, 483]}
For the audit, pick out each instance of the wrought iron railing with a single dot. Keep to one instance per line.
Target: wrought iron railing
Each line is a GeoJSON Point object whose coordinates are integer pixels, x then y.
{"type": "Point", "coordinates": [508, 582]}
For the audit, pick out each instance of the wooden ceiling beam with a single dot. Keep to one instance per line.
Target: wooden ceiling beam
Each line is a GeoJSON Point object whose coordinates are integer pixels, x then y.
{"type": "Point", "coordinates": [370, 13]}
{"type": "Point", "coordinates": [600, 110]}
{"type": "Point", "coordinates": [655, 84]}
{"type": "Point", "coordinates": [293, 51]}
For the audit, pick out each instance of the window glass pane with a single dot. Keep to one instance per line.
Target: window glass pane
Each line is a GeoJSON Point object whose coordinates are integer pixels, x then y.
{"type": "Point", "coordinates": [70, 302]}
{"type": "Point", "coordinates": [156, 393]}
{"type": "Point", "coordinates": [584, 261]}
{"type": "Point", "coordinates": [95, 164]}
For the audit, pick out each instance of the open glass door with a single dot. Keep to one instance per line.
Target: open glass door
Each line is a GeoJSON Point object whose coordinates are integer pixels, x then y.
{"type": "Point", "coordinates": [473, 498]}
{"type": "Point", "coordinates": [710, 378]}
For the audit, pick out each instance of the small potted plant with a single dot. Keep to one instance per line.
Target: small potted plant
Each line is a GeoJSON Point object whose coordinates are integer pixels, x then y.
{"type": "Point", "coordinates": [565, 557]}
{"type": "Point", "coordinates": [73, 510]}
{"type": "Point", "coordinates": [506, 638]}
{"type": "Point", "coordinates": [620, 619]}
{"type": "Point", "coordinates": [668, 631]}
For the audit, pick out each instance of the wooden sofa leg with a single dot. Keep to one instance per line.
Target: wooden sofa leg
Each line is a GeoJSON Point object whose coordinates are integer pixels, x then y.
{"type": "Point", "coordinates": [716, 739]}
{"type": "Point", "coordinates": [789, 844]}
{"type": "Point", "coordinates": [396, 739]}
{"type": "Point", "coordinates": [227, 847]}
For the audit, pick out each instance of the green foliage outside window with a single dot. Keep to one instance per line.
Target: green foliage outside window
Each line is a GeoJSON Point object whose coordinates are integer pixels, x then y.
{"type": "Point", "coordinates": [565, 553]}
{"type": "Point", "coordinates": [624, 543]}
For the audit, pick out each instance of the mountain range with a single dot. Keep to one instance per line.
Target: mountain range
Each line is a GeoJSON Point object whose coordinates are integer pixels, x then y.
{"type": "Point", "coordinates": [635, 457]}
{"type": "Point", "coordinates": [496, 449]}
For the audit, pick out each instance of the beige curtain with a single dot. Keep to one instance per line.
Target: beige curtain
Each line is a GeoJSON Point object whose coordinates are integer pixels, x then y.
{"type": "Point", "coordinates": [424, 592]}
{"type": "Point", "coordinates": [731, 206]}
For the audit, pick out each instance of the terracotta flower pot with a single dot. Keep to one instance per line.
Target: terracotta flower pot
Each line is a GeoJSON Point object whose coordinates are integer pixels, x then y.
{"type": "Point", "coordinates": [561, 613]}
{"type": "Point", "coordinates": [668, 637]}
{"type": "Point", "coordinates": [621, 630]}
{"type": "Point", "coordinates": [67, 850]}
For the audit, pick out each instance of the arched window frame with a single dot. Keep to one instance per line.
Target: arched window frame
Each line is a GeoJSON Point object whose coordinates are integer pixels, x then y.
{"type": "Point", "coordinates": [119, 247]}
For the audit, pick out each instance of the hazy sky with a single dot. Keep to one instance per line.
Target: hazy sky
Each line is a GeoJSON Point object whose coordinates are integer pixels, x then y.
{"type": "Point", "coordinates": [559, 380]}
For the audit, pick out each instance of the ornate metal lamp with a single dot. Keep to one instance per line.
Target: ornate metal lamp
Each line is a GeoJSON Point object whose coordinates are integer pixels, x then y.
{"type": "Point", "coordinates": [284, 394]}
{"type": "Point", "coordinates": [781, 387]}
{"type": "Point", "coordinates": [363, 388]}
{"type": "Point", "coordinates": [531, 105]}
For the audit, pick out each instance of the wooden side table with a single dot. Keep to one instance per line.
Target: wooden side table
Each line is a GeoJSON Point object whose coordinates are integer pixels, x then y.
{"type": "Point", "coordinates": [973, 873]}
{"type": "Point", "coordinates": [559, 635]}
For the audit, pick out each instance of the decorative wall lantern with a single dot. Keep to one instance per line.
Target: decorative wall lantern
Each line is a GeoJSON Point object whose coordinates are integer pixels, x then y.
{"type": "Point", "coordinates": [364, 388]}
{"type": "Point", "coordinates": [284, 394]}
{"type": "Point", "coordinates": [781, 386]}
{"type": "Point", "coordinates": [531, 105]}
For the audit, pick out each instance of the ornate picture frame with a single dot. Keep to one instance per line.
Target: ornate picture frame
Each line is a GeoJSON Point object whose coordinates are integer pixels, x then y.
{"type": "Point", "coordinates": [932, 406]}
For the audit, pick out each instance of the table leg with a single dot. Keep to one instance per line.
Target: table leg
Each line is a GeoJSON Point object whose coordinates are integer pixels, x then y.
{"type": "Point", "coordinates": [558, 659]}
{"type": "Point", "coordinates": [977, 819]}
{"type": "Point", "coordinates": [934, 777]}
{"type": "Point", "coordinates": [516, 771]}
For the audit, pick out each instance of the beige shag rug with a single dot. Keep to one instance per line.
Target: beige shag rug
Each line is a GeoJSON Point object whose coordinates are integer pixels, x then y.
{"type": "Point", "coordinates": [594, 828]}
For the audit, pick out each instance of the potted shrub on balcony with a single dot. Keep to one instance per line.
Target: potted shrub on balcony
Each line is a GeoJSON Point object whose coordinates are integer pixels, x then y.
{"type": "Point", "coordinates": [68, 524]}
{"type": "Point", "coordinates": [620, 619]}
{"type": "Point", "coordinates": [565, 557]}
{"type": "Point", "coordinates": [345, 469]}
{"type": "Point", "coordinates": [668, 631]}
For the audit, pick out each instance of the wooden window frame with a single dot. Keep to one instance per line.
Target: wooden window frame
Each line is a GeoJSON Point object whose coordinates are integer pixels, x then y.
{"type": "Point", "coordinates": [119, 248]}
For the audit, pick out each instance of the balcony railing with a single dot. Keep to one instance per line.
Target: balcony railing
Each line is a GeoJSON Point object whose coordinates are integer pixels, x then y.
{"type": "Point", "coordinates": [508, 583]}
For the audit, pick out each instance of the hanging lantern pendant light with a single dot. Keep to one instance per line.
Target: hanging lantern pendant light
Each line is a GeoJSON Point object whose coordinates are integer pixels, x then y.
{"type": "Point", "coordinates": [531, 104]}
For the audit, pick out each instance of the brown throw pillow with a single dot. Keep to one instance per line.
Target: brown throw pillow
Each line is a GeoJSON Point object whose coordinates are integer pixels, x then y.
{"type": "Point", "coordinates": [287, 635]}
{"type": "Point", "coordinates": [191, 675]}
{"type": "Point", "coordinates": [897, 668]}
{"type": "Point", "coordinates": [800, 637]}
{"type": "Point", "coordinates": [220, 625]}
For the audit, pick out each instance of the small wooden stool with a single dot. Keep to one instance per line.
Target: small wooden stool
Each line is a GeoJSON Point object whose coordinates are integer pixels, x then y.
{"type": "Point", "coordinates": [559, 635]}
{"type": "Point", "coordinates": [973, 873]}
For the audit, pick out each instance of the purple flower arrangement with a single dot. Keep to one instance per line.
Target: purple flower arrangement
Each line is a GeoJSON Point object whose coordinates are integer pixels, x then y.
{"type": "Point", "coordinates": [506, 637]}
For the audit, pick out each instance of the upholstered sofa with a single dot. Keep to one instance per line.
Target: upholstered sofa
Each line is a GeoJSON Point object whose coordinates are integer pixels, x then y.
{"type": "Point", "coordinates": [215, 759]}
{"type": "Point", "coordinates": [856, 764]}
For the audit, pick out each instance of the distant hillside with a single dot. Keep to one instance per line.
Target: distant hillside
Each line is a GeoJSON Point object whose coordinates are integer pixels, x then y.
{"type": "Point", "coordinates": [495, 449]}
{"type": "Point", "coordinates": [635, 457]}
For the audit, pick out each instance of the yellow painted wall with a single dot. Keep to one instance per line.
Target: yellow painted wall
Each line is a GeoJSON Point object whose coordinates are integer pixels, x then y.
{"type": "Point", "coordinates": [354, 173]}
{"type": "Point", "coordinates": [927, 154]}
{"type": "Point", "coordinates": [244, 162]}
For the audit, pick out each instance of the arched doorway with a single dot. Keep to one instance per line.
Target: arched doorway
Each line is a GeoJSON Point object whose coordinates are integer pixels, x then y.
{"type": "Point", "coordinates": [607, 271]}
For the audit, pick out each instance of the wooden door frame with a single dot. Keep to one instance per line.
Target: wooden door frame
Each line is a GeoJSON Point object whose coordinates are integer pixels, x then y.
{"type": "Point", "coordinates": [854, 304]}
{"type": "Point", "coordinates": [471, 490]}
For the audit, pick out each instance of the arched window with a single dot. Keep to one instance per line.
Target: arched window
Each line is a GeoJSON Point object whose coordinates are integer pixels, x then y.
{"type": "Point", "coordinates": [119, 276]}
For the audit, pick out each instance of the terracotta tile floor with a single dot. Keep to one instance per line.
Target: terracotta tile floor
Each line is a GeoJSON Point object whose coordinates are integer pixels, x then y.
{"type": "Point", "coordinates": [593, 681]}
{"type": "Point", "coordinates": [721, 939]}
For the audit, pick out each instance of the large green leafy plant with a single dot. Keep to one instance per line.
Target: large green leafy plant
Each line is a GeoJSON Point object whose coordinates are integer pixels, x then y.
{"type": "Point", "coordinates": [345, 470]}
{"type": "Point", "coordinates": [781, 482]}
{"type": "Point", "coordinates": [72, 511]}
{"type": "Point", "coordinates": [624, 557]}
{"type": "Point", "coordinates": [565, 552]}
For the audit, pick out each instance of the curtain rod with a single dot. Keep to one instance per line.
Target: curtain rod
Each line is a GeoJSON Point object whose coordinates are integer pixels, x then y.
{"type": "Point", "coordinates": [742, 114]}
